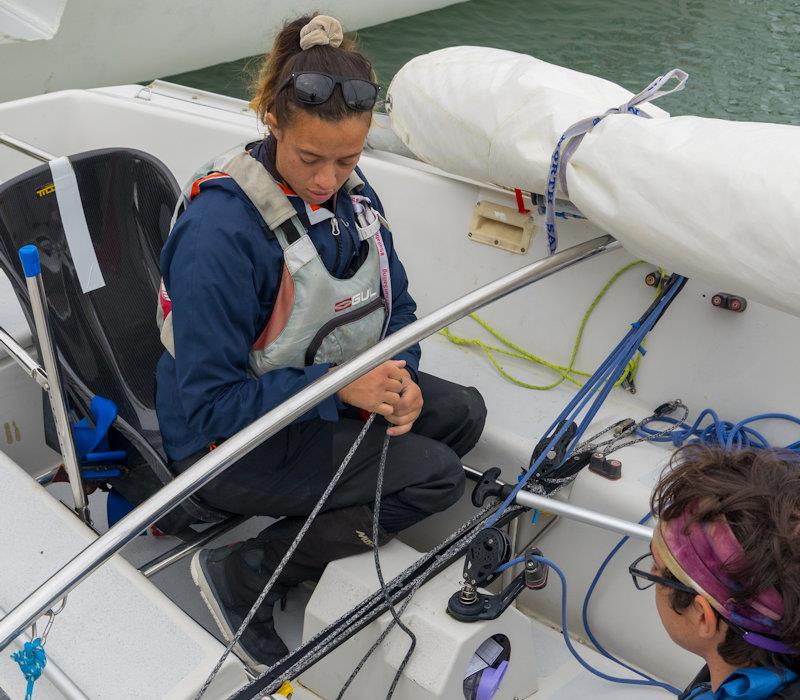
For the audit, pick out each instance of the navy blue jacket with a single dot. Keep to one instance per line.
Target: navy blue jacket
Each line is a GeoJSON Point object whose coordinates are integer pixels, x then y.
{"type": "Point", "coordinates": [221, 268]}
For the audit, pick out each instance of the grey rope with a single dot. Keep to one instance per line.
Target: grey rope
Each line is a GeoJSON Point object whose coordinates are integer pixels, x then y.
{"type": "Point", "coordinates": [454, 546]}
{"type": "Point", "coordinates": [618, 441]}
{"type": "Point", "coordinates": [395, 614]}
{"type": "Point", "coordinates": [350, 629]}
{"type": "Point", "coordinates": [287, 556]}
{"type": "Point", "coordinates": [379, 641]}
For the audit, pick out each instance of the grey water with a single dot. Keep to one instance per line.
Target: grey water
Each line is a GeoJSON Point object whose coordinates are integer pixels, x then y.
{"type": "Point", "coordinates": [743, 56]}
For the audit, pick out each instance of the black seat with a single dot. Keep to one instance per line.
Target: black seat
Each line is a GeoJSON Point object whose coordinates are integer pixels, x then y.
{"type": "Point", "coordinates": [107, 339]}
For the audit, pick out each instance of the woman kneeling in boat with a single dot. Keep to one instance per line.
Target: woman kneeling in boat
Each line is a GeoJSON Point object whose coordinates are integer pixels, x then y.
{"type": "Point", "coordinates": [725, 559]}
{"type": "Point", "coordinates": [279, 267]}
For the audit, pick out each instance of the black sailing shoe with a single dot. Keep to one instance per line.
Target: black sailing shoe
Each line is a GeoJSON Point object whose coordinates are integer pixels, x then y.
{"type": "Point", "coordinates": [231, 578]}
{"type": "Point", "coordinates": [259, 646]}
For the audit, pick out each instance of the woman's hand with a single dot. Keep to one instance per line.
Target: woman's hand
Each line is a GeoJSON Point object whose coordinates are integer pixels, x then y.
{"type": "Point", "coordinates": [407, 409]}
{"type": "Point", "coordinates": [378, 390]}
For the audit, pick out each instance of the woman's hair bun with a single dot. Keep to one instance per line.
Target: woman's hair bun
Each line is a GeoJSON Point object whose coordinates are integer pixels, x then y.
{"type": "Point", "coordinates": [321, 31]}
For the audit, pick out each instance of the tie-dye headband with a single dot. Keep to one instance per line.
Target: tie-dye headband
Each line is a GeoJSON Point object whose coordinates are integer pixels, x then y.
{"type": "Point", "coordinates": [701, 557]}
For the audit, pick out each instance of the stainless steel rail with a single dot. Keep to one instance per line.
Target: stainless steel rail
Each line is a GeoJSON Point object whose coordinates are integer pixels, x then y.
{"type": "Point", "coordinates": [56, 394]}
{"type": "Point", "coordinates": [17, 353]}
{"type": "Point", "coordinates": [52, 672]}
{"type": "Point", "coordinates": [584, 515]}
{"type": "Point", "coordinates": [27, 148]}
{"type": "Point", "coordinates": [213, 464]}
{"type": "Point", "coordinates": [184, 549]}
{"type": "Point", "coordinates": [46, 477]}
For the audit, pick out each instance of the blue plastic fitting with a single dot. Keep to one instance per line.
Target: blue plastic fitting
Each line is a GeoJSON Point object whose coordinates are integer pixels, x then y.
{"type": "Point", "coordinates": [29, 257]}
{"type": "Point", "coordinates": [110, 456]}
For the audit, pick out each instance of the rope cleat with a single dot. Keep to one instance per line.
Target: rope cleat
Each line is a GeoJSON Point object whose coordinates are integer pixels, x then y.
{"type": "Point", "coordinates": [557, 453]}
{"type": "Point", "coordinates": [607, 468]}
{"type": "Point", "coordinates": [653, 278]}
{"type": "Point", "coordinates": [535, 573]}
{"type": "Point", "coordinates": [488, 487]}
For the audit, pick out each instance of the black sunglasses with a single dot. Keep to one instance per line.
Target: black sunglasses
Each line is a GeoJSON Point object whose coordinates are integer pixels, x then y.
{"type": "Point", "coordinates": [314, 88]}
{"type": "Point", "coordinates": [644, 579]}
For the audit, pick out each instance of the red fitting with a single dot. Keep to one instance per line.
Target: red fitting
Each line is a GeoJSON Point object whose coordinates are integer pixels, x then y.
{"type": "Point", "coordinates": [729, 301]}
{"type": "Point", "coordinates": [719, 300]}
{"type": "Point", "coordinates": [520, 201]}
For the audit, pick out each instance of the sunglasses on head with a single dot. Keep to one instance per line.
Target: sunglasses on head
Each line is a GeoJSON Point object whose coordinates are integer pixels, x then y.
{"type": "Point", "coordinates": [314, 88]}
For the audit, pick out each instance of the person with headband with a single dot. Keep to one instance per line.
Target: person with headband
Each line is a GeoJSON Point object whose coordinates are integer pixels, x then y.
{"type": "Point", "coordinates": [280, 266]}
{"type": "Point", "coordinates": [725, 563]}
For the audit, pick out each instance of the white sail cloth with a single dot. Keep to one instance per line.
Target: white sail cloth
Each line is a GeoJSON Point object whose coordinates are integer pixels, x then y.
{"type": "Point", "coordinates": [708, 198]}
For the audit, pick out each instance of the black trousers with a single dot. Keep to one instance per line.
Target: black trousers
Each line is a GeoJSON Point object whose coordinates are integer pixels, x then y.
{"type": "Point", "coordinates": [286, 475]}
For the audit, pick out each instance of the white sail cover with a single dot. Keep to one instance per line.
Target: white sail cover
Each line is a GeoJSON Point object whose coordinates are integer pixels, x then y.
{"type": "Point", "coordinates": [708, 198]}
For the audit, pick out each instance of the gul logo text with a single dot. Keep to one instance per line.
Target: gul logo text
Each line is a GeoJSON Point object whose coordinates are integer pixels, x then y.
{"type": "Point", "coordinates": [355, 300]}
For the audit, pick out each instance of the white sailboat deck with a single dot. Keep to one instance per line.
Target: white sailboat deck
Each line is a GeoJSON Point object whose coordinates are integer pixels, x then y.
{"type": "Point", "coordinates": [121, 637]}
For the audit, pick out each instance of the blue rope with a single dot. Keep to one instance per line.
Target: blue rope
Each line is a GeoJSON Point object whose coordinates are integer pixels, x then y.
{"type": "Point", "coordinates": [595, 390]}
{"type": "Point", "coordinates": [585, 613]}
{"type": "Point", "coordinates": [645, 680]}
{"type": "Point", "coordinates": [31, 659]}
{"type": "Point", "coordinates": [597, 387]}
{"type": "Point", "coordinates": [720, 432]}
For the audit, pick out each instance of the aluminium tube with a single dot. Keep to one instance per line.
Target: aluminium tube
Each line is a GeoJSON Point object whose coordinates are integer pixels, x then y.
{"type": "Point", "coordinates": [27, 148]}
{"type": "Point", "coordinates": [33, 278]}
{"type": "Point", "coordinates": [215, 462]}
{"type": "Point", "coordinates": [567, 510]}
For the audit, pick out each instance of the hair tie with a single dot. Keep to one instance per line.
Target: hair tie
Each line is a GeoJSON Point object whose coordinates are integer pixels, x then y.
{"type": "Point", "coordinates": [320, 31]}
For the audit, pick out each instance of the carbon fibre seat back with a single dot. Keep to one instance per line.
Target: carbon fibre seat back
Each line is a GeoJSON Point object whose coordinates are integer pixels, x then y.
{"type": "Point", "coordinates": [107, 339]}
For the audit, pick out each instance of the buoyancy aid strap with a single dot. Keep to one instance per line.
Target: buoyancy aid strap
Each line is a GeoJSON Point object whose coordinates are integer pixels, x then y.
{"type": "Point", "coordinates": [368, 222]}
{"type": "Point", "coordinates": [290, 231]}
{"type": "Point", "coordinates": [299, 253]}
{"type": "Point", "coordinates": [368, 231]}
{"type": "Point", "coordinates": [386, 280]}
{"type": "Point", "coordinates": [354, 184]}
{"type": "Point", "coordinates": [383, 220]}
{"type": "Point", "coordinates": [273, 205]}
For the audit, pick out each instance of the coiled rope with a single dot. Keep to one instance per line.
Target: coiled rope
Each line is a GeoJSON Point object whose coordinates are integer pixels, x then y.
{"type": "Point", "coordinates": [566, 372]}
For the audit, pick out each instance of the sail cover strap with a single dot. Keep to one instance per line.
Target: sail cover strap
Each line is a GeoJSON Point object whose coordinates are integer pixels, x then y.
{"type": "Point", "coordinates": [572, 137]}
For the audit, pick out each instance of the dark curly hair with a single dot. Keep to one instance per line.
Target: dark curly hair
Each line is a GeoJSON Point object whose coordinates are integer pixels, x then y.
{"type": "Point", "coordinates": [758, 493]}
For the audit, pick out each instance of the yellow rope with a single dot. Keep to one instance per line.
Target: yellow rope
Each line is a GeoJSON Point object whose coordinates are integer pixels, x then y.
{"type": "Point", "coordinates": [566, 373]}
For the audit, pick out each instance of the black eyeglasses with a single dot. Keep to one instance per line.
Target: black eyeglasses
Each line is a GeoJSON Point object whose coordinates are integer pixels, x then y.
{"type": "Point", "coordinates": [645, 579]}
{"type": "Point", "coordinates": [313, 88]}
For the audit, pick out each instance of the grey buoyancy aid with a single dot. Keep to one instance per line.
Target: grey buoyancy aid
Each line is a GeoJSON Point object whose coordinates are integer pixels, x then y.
{"type": "Point", "coordinates": [316, 318]}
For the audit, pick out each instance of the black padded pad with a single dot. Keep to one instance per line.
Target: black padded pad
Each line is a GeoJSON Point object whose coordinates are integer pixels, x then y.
{"type": "Point", "coordinates": [108, 336]}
